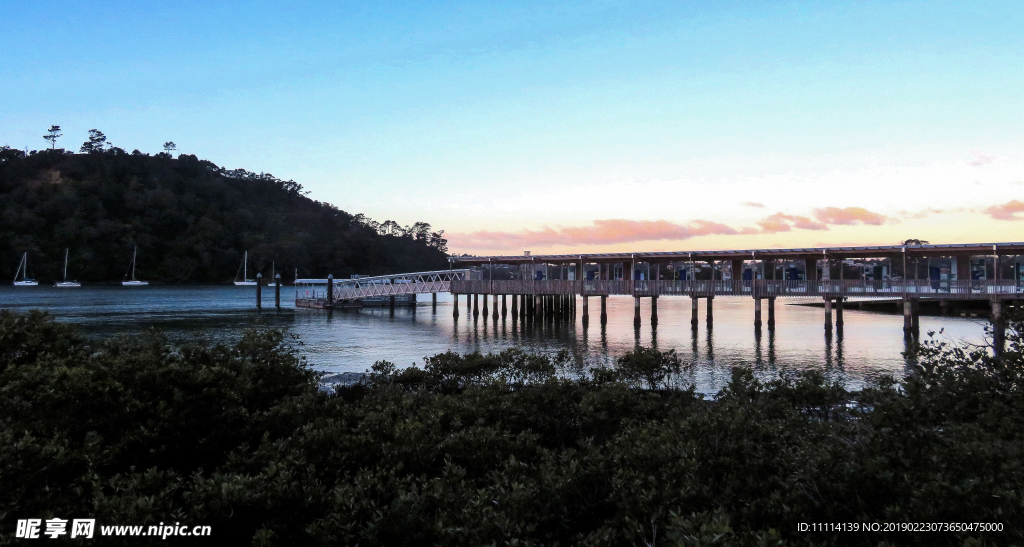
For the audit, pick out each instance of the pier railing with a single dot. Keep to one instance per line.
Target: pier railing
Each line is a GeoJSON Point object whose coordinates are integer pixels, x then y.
{"type": "Point", "coordinates": [315, 290]}
{"type": "Point", "coordinates": [949, 290]}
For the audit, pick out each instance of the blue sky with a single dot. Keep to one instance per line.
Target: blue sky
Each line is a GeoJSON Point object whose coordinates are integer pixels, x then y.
{"type": "Point", "coordinates": [518, 125]}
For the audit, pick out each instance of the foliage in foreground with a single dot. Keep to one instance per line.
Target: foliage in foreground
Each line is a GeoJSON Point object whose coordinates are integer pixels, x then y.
{"type": "Point", "coordinates": [497, 449]}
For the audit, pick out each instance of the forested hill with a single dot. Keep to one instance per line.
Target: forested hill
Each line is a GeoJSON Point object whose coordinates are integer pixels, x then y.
{"type": "Point", "coordinates": [191, 220]}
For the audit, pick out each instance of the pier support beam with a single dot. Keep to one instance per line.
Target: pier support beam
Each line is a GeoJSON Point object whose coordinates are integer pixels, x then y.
{"type": "Point", "coordinates": [694, 302]}
{"type": "Point", "coordinates": [504, 309]}
{"type": "Point", "coordinates": [494, 302]}
{"type": "Point", "coordinates": [259, 291]}
{"type": "Point", "coordinates": [908, 317]}
{"type": "Point", "coordinates": [391, 304]}
{"type": "Point", "coordinates": [330, 291]}
{"type": "Point", "coordinates": [998, 327]}
{"type": "Point", "coordinates": [469, 305]}
{"type": "Point", "coordinates": [476, 305]}
{"type": "Point", "coordinates": [433, 302]}
{"type": "Point", "coordinates": [839, 313]}
{"type": "Point", "coordinates": [828, 314]}
{"type": "Point", "coordinates": [771, 313]}
{"type": "Point", "coordinates": [757, 313]}
{"type": "Point", "coordinates": [604, 309]}
{"type": "Point", "coordinates": [586, 309]}
{"type": "Point", "coordinates": [455, 305]}
{"type": "Point", "coordinates": [916, 318]}
{"type": "Point", "coordinates": [485, 306]}
{"type": "Point", "coordinates": [277, 291]}
{"type": "Point", "coordinates": [654, 310]}
{"type": "Point", "coordinates": [711, 310]}
{"type": "Point", "coordinates": [538, 308]}
{"type": "Point", "coordinates": [636, 311]}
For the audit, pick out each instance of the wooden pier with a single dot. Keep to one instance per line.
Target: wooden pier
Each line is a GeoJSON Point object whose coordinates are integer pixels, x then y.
{"type": "Point", "coordinates": [552, 286]}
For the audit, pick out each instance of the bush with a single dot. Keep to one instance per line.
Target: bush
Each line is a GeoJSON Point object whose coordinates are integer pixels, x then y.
{"type": "Point", "coordinates": [498, 448]}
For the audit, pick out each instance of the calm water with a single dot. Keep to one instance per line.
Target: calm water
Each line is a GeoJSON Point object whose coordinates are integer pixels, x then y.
{"type": "Point", "coordinates": [352, 340]}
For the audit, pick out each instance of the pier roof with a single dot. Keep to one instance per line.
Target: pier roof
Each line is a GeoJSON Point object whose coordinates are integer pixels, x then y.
{"type": "Point", "coordinates": [871, 251]}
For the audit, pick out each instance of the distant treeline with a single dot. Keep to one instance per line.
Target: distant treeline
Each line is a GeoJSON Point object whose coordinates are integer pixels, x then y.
{"type": "Point", "coordinates": [190, 219]}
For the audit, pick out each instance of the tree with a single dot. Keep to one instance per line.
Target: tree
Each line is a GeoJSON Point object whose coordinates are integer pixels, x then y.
{"type": "Point", "coordinates": [52, 135]}
{"type": "Point", "coordinates": [170, 146]}
{"type": "Point", "coordinates": [96, 143]}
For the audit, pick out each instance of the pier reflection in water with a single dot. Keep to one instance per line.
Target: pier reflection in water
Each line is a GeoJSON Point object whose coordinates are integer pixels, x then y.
{"type": "Point", "coordinates": [870, 344]}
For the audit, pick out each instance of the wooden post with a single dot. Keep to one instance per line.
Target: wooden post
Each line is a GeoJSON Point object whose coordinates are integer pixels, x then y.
{"type": "Point", "coordinates": [828, 314]}
{"type": "Point", "coordinates": [504, 309]}
{"type": "Point", "coordinates": [494, 307]}
{"type": "Point", "coordinates": [485, 306]}
{"type": "Point", "coordinates": [771, 312]}
{"type": "Point", "coordinates": [654, 309]}
{"type": "Point", "coordinates": [636, 310]}
{"type": "Point", "coordinates": [259, 291]}
{"type": "Point", "coordinates": [693, 306]}
{"type": "Point", "coordinates": [330, 290]}
{"type": "Point", "coordinates": [757, 313]}
{"type": "Point", "coordinates": [908, 321]}
{"type": "Point", "coordinates": [277, 291]}
{"type": "Point", "coordinates": [839, 313]}
{"type": "Point", "coordinates": [604, 309]}
{"type": "Point", "coordinates": [711, 309]}
{"type": "Point", "coordinates": [476, 305]}
{"type": "Point", "coordinates": [433, 302]}
{"type": "Point", "coordinates": [586, 310]}
{"type": "Point", "coordinates": [455, 305]}
{"type": "Point", "coordinates": [391, 304]}
{"type": "Point", "coordinates": [916, 317]}
{"type": "Point", "coordinates": [998, 327]}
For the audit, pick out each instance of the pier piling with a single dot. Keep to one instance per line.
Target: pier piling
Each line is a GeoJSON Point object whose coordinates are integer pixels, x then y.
{"type": "Point", "coordinates": [636, 310]}
{"type": "Point", "coordinates": [693, 313]}
{"type": "Point", "coordinates": [828, 314]}
{"type": "Point", "coordinates": [259, 291]}
{"type": "Point", "coordinates": [433, 302]}
{"type": "Point", "coordinates": [455, 305]}
{"type": "Point", "coordinates": [277, 291]}
{"type": "Point", "coordinates": [711, 310]}
{"type": "Point", "coordinates": [654, 310]}
{"type": "Point", "coordinates": [757, 313]}
{"type": "Point", "coordinates": [604, 309]}
{"type": "Point", "coordinates": [391, 304]}
{"type": "Point", "coordinates": [771, 313]}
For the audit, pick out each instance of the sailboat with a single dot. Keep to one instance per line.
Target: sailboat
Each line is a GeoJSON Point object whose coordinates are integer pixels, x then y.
{"type": "Point", "coordinates": [23, 270]}
{"type": "Point", "coordinates": [245, 272]}
{"type": "Point", "coordinates": [134, 282]}
{"type": "Point", "coordinates": [67, 284]}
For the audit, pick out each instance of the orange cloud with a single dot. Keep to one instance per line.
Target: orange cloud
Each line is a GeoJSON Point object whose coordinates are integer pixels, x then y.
{"type": "Point", "coordinates": [1006, 211]}
{"type": "Point", "coordinates": [612, 231]}
{"type": "Point", "coordinates": [600, 232]}
{"type": "Point", "coordinates": [781, 222]}
{"type": "Point", "coordinates": [849, 215]}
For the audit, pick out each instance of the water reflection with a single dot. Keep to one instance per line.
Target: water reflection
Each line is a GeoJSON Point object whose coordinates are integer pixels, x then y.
{"type": "Point", "coordinates": [865, 346]}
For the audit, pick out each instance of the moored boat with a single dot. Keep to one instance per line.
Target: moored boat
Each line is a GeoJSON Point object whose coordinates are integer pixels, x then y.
{"type": "Point", "coordinates": [134, 282]}
{"type": "Point", "coordinates": [23, 271]}
{"type": "Point", "coordinates": [66, 284]}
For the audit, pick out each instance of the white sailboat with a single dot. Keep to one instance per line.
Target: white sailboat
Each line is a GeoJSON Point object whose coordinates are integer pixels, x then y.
{"type": "Point", "coordinates": [67, 284]}
{"type": "Point", "coordinates": [22, 271]}
{"type": "Point", "coordinates": [134, 282]}
{"type": "Point", "coordinates": [245, 272]}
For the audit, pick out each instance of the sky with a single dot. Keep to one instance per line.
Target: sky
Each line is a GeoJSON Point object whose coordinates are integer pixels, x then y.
{"type": "Point", "coordinates": [562, 127]}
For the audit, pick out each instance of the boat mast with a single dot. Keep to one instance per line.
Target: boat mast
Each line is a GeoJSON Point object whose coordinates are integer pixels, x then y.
{"type": "Point", "coordinates": [134, 254]}
{"type": "Point", "coordinates": [245, 266]}
{"type": "Point", "coordinates": [66, 264]}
